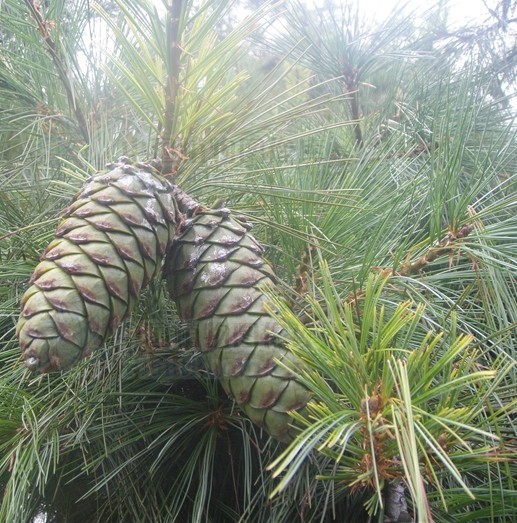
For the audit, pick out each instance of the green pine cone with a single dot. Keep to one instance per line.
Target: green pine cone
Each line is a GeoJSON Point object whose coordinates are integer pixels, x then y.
{"type": "Point", "coordinates": [216, 275]}
{"type": "Point", "coordinates": [108, 247]}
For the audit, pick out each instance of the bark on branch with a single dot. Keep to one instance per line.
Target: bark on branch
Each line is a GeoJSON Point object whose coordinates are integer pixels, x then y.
{"type": "Point", "coordinates": [396, 505]}
{"type": "Point", "coordinates": [171, 156]}
{"type": "Point", "coordinates": [43, 27]}
{"type": "Point", "coordinates": [444, 246]}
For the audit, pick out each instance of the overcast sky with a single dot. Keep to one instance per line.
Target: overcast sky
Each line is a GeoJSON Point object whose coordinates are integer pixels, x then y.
{"type": "Point", "coordinates": [460, 10]}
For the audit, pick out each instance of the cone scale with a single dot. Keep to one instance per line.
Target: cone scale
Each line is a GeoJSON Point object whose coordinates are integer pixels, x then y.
{"type": "Point", "coordinates": [217, 276]}
{"type": "Point", "coordinates": [108, 247]}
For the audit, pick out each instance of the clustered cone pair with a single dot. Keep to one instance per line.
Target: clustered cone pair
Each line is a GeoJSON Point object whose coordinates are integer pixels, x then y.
{"type": "Point", "coordinates": [112, 242]}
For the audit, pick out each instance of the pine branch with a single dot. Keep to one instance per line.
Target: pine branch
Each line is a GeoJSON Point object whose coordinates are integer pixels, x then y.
{"type": "Point", "coordinates": [171, 156]}
{"type": "Point", "coordinates": [350, 79]}
{"type": "Point", "coordinates": [444, 246]}
{"type": "Point", "coordinates": [44, 27]}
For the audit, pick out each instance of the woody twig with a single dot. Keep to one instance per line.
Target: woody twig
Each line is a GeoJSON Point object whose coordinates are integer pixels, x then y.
{"type": "Point", "coordinates": [444, 246]}
{"type": "Point", "coordinates": [44, 27]}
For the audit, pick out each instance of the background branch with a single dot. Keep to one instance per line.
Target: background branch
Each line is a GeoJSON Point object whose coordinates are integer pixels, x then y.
{"type": "Point", "coordinates": [63, 73]}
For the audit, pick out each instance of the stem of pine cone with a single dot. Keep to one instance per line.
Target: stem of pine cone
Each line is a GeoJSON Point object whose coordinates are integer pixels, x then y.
{"type": "Point", "coordinates": [64, 76]}
{"type": "Point", "coordinates": [171, 156]}
{"type": "Point", "coordinates": [186, 204]}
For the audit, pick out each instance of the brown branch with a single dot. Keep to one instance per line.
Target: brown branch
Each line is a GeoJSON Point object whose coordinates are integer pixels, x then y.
{"type": "Point", "coordinates": [444, 246]}
{"type": "Point", "coordinates": [171, 155]}
{"type": "Point", "coordinates": [44, 27]}
{"type": "Point", "coordinates": [354, 107]}
{"type": "Point", "coordinates": [303, 271]}
{"type": "Point", "coordinates": [351, 86]}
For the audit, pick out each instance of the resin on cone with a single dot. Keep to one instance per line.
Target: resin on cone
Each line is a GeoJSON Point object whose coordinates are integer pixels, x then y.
{"type": "Point", "coordinates": [217, 276]}
{"type": "Point", "coordinates": [109, 245]}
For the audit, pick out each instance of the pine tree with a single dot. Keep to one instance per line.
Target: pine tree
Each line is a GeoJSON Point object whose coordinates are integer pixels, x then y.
{"type": "Point", "coordinates": [375, 160]}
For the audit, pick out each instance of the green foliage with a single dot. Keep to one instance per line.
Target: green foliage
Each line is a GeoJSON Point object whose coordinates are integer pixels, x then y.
{"type": "Point", "coordinates": [395, 402]}
{"type": "Point", "coordinates": [358, 148]}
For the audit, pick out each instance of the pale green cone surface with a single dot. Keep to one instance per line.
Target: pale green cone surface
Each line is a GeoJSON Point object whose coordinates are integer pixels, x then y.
{"type": "Point", "coordinates": [216, 274]}
{"type": "Point", "coordinates": [108, 247]}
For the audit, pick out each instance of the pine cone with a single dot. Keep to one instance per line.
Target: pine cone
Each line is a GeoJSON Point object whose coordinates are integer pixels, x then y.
{"type": "Point", "coordinates": [216, 275]}
{"type": "Point", "coordinates": [108, 247]}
